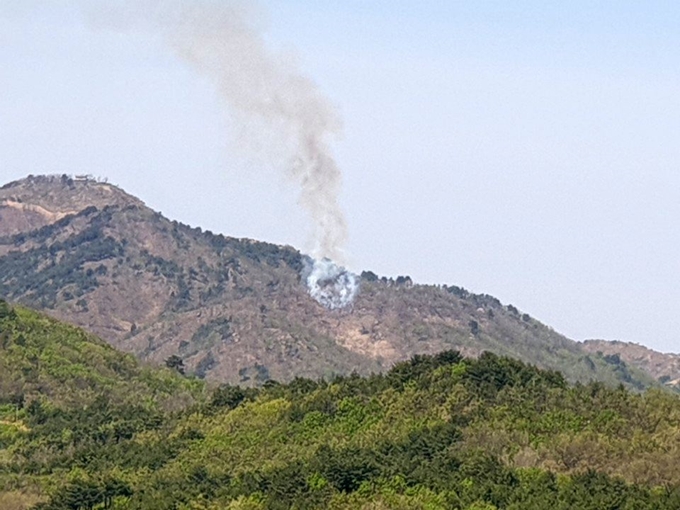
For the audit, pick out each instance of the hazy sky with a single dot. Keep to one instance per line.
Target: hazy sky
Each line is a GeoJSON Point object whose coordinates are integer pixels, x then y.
{"type": "Point", "coordinates": [528, 150]}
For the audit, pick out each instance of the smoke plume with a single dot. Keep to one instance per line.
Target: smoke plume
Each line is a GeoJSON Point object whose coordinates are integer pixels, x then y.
{"type": "Point", "coordinates": [280, 109]}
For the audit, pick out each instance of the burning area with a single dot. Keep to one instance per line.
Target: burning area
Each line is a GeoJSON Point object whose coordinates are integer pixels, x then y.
{"type": "Point", "coordinates": [330, 284]}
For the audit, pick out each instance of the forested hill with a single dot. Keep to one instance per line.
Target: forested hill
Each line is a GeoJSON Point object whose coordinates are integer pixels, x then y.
{"type": "Point", "coordinates": [61, 387]}
{"type": "Point", "coordinates": [43, 360]}
{"type": "Point", "coordinates": [236, 310]}
{"type": "Point", "coordinates": [84, 427]}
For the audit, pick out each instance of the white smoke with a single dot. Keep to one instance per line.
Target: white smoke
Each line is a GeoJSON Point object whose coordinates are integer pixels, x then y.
{"type": "Point", "coordinates": [281, 110]}
{"type": "Point", "coordinates": [329, 284]}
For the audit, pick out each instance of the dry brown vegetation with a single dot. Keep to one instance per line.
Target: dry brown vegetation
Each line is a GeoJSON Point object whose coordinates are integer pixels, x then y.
{"type": "Point", "coordinates": [235, 309]}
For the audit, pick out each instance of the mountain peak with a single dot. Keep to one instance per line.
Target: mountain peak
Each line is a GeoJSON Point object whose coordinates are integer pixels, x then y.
{"type": "Point", "coordinates": [37, 201]}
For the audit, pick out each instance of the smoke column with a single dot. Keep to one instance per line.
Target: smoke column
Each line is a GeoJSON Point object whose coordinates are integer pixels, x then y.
{"type": "Point", "coordinates": [266, 94]}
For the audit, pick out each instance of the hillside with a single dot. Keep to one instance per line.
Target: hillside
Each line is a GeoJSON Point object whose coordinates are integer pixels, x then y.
{"type": "Point", "coordinates": [434, 432]}
{"type": "Point", "coordinates": [65, 386]}
{"type": "Point", "coordinates": [43, 359]}
{"type": "Point", "coordinates": [236, 310]}
{"type": "Point", "coordinates": [664, 367]}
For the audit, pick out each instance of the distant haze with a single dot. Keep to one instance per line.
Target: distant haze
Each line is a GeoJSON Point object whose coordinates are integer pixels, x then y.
{"type": "Point", "coordinates": [528, 150]}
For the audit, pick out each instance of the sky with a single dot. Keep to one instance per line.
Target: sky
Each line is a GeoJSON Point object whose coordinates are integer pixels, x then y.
{"type": "Point", "coordinates": [529, 149]}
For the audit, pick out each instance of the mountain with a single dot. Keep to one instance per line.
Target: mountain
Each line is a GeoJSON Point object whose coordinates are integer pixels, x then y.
{"type": "Point", "coordinates": [237, 310]}
{"type": "Point", "coordinates": [83, 426]}
{"type": "Point", "coordinates": [665, 367]}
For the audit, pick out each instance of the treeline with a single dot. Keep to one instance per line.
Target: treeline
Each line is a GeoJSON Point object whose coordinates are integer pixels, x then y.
{"type": "Point", "coordinates": [435, 432]}
{"type": "Point", "coordinates": [84, 427]}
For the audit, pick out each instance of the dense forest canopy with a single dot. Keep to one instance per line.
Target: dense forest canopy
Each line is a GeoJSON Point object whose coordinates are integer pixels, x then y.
{"type": "Point", "coordinates": [85, 427]}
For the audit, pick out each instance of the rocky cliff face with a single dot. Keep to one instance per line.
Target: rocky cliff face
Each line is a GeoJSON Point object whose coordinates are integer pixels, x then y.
{"type": "Point", "coordinates": [237, 310]}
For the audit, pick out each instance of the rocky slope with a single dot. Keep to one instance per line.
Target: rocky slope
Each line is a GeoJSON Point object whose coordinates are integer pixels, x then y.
{"type": "Point", "coordinates": [237, 310]}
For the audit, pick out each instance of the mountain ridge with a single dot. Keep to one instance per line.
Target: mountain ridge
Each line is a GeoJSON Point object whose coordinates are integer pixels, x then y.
{"type": "Point", "coordinates": [237, 310]}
